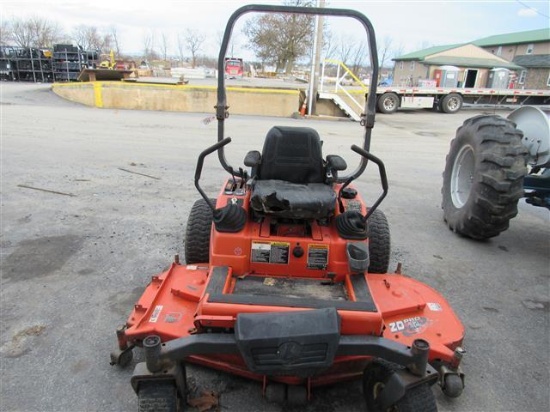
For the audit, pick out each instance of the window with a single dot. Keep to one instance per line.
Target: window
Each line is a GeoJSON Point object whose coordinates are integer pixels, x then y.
{"type": "Point", "coordinates": [499, 51]}
{"type": "Point", "coordinates": [401, 65]}
{"type": "Point", "coordinates": [530, 48]}
{"type": "Point", "coordinates": [412, 66]}
{"type": "Point", "coordinates": [522, 77]}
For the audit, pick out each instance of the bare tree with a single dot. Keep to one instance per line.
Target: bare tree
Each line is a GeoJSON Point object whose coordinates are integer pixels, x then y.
{"type": "Point", "coordinates": [281, 39]}
{"type": "Point", "coordinates": [91, 38]}
{"type": "Point", "coordinates": [21, 33]}
{"type": "Point", "coordinates": [180, 39]}
{"type": "Point", "coordinates": [219, 38]}
{"type": "Point", "coordinates": [113, 33]}
{"type": "Point", "coordinates": [147, 42]}
{"type": "Point", "coordinates": [360, 54]}
{"type": "Point", "coordinates": [384, 50]}
{"type": "Point", "coordinates": [163, 45]}
{"type": "Point", "coordinates": [329, 45]}
{"type": "Point", "coordinates": [47, 33]}
{"type": "Point", "coordinates": [34, 32]}
{"type": "Point", "coordinates": [5, 33]}
{"type": "Point", "coordinates": [194, 40]}
{"type": "Point", "coordinates": [149, 45]}
{"type": "Point", "coordinates": [345, 49]}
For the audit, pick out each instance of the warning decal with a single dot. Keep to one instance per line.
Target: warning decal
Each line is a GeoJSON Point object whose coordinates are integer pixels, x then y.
{"type": "Point", "coordinates": [270, 252]}
{"type": "Point", "coordinates": [156, 313]}
{"type": "Point", "coordinates": [317, 257]}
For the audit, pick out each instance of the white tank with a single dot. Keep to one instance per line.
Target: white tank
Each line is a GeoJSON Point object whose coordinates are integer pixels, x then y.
{"type": "Point", "coordinates": [535, 125]}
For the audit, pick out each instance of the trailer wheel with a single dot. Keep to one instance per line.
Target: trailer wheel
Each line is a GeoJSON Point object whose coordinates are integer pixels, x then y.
{"type": "Point", "coordinates": [483, 177]}
{"type": "Point", "coordinates": [197, 233]}
{"type": "Point", "coordinates": [157, 396]}
{"type": "Point", "coordinates": [451, 103]}
{"type": "Point", "coordinates": [417, 398]}
{"type": "Point", "coordinates": [378, 232]}
{"type": "Point", "coordinates": [388, 103]}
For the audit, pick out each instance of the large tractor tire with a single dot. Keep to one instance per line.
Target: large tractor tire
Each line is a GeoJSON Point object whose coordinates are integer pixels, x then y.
{"type": "Point", "coordinates": [483, 177]}
{"type": "Point", "coordinates": [197, 233]}
{"type": "Point", "coordinates": [379, 242]}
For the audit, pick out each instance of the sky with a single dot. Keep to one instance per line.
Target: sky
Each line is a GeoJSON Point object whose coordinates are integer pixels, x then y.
{"type": "Point", "coordinates": [411, 25]}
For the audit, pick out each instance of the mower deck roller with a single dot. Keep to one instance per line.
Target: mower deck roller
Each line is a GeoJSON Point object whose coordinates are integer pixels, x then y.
{"type": "Point", "coordinates": [290, 292]}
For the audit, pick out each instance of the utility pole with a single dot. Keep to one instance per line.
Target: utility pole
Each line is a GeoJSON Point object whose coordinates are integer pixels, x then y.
{"type": "Point", "coordinates": [316, 62]}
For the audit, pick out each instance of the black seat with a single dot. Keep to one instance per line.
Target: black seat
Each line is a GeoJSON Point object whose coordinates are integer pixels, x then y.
{"type": "Point", "coordinates": [292, 154]}
{"type": "Point", "coordinates": [290, 176]}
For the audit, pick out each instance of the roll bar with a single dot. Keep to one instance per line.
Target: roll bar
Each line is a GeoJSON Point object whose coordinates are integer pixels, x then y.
{"type": "Point", "coordinates": [370, 105]}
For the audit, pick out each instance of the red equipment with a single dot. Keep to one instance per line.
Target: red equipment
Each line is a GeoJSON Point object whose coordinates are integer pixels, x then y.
{"type": "Point", "coordinates": [286, 283]}
{"type": "Point", "coordinates": [234, 67]}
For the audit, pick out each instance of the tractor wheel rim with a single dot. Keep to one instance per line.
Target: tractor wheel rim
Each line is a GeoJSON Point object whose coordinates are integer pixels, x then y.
{"type": "Point", "coordinates": [462, 176]}
{"type": "Point", "coordinates": [389, 104]}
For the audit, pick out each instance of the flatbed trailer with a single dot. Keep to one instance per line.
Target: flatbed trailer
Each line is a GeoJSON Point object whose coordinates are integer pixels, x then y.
{"type": "Point", "coordinates": [451, 100]}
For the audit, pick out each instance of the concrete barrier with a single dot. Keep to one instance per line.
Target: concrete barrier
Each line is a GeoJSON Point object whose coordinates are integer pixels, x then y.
{"type": "Point", "coordinates": [180, 98]}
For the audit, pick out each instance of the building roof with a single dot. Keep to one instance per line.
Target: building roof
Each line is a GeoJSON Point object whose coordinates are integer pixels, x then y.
{"type": "Point", "coordinates": [533, 60]}
{"type": "Point", "coordinates": [471, 62]}
{"type": "Point", "coordinates": [477, 57]}
{"type": "Point", "coordinates": [531, 36]}
{"type": "Point", "coordinates": [422, 54]}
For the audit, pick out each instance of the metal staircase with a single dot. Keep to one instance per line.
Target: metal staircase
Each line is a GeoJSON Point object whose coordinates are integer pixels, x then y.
{"type": "Point", "coordinates": [345, 104]}
{"type": "Point", "coordinates": [346, 108]}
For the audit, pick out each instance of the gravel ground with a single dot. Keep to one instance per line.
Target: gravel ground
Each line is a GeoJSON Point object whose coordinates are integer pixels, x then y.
{"type": "Point", "coordinates": [95, 201]}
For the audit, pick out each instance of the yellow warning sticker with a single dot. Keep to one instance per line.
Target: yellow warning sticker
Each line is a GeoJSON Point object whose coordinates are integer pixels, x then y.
{"type": "Point", "coordinates": [270, 252]}
{"type": "Point", "coordinates": [317, 256]}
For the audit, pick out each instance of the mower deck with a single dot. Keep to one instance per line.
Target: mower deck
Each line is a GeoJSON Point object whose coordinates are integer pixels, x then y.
{"type": "Point", "coordinates": [190, 300]}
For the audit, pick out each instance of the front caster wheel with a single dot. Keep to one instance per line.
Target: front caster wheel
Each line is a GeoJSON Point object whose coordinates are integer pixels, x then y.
{"type": "Point", "coordinates": [122, 358]}
{"type": "Point", "coordinates": [417, 398]}
{"type": "Point", "coordinates": [452, 385]}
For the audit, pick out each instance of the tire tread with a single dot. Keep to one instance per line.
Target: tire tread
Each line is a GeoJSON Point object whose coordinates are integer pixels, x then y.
{"type": "Point", "coordinates": [378, 231]}
{"type": "Point", "coordinates": [498, 180]}
{"type": "Point", "coordinates": [197, 233]}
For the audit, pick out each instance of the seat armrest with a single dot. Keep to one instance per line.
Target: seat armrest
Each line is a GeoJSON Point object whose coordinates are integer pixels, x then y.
{"type": "Point", "coordinates": [335, 162]}
{"type": "Point", "coordinates": [252, 158]}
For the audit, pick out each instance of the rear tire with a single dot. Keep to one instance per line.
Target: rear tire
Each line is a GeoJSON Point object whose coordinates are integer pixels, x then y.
{"type": "Point", "coordinates": [157, 396]}
{"type": "Point", "coordinates": [378, 232]}
{"type": "Point", "coordinates": [197, 233]}
{"type": "Point", "coordinates": [451, 103]}
{"type": "Point", "coordinates": [483, 177]}
{"type": "Point", "coordinates": [416, 399]}
{"type": "Point", "coordinates": [388, 103]}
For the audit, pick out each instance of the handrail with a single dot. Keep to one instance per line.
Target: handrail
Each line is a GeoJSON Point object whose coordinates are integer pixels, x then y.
{"type": "Point", "coordinates": [338, 86]}
{"type": "Point", "coordinates": [347, 71]}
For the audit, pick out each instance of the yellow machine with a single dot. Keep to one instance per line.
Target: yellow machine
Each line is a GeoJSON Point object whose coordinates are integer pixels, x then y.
{"type": "Point", "coordinates": [108, 61]}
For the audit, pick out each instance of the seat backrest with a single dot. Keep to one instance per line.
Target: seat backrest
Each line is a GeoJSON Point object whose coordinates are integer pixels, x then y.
{"type": "Point", "coordinates": [292, 154]}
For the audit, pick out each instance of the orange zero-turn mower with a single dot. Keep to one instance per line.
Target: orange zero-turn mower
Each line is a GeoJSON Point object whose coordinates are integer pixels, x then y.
{"type": "Point", "coordinates": [286, 280]}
